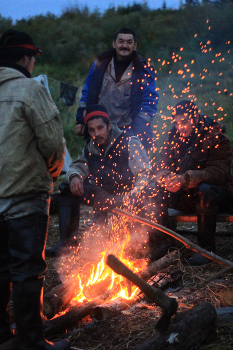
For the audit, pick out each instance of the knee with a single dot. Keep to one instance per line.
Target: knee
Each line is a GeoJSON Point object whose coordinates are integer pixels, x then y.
{"type": "Point", "coordinates": [206, 198]}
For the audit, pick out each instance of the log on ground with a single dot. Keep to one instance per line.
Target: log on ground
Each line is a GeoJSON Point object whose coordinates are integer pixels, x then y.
{"type": "Point", "coordinates": [188, 331]}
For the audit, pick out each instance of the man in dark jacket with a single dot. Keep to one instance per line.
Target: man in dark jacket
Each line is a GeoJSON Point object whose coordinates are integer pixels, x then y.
{"type": "Point", "coordinates": [124, 83]}
{"type": "Point", "coordinates": [32, 157]}
{"type": "Point", "coordinates": [113, 169]}
{"type": "Point", "coordinates": [195, 171]}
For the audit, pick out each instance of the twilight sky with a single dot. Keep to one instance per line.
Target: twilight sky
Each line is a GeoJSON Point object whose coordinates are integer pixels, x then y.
{"type": "Point", "coordinates": [18, 9]}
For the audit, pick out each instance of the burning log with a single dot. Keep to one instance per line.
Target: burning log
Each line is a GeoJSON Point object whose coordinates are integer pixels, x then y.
{"type": "Point", "coordinates": [58, 299]}
{"type": "Point", "coordinates": [188, 331]}
{"type": "Point", "coordinates": [72, 317]}
{"type": "Point", "coordinates": [98, 288]}
{"type": "Point", "coordinates": [60, 296]}
{"type": "Point", "coordinates": [166, 278]}
{"type": "Point", "coordinates": [188, 244]}
{"type": "Point", "coordinates": [168, 305]}
{"type": "Point", "coordinates": [111, 308]}
{"type": "Point", "coordinates": [158, 265]}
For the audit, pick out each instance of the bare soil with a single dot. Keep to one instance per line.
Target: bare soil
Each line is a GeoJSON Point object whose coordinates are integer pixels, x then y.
{"type": "Point", "coordinates": [134, 326]}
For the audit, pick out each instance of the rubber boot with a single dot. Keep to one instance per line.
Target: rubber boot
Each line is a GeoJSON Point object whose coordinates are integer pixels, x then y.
{"type": "Point", "coordinates": [5, 285]}
{"type": "Point", "coordinates": [27, 306]}
{"type": "Point", "coordinates": [205, 237]}
{"type": "Point", "coordinates": [69, 213]}
{"type": "Point", "coordinates": [5, 320]}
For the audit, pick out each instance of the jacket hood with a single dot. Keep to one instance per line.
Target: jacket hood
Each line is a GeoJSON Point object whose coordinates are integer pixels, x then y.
{"type": "Point", "coordinates": [10, 71]}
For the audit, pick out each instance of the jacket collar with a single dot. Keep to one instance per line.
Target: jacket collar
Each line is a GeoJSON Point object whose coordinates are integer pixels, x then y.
{"type": "Point", "coordinates": [16, 66]}
{"type": "Point", "coordinates": [138, 61]}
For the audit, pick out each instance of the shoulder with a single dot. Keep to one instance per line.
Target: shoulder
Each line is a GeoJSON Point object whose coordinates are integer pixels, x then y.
{"type": "Point", "coordinates": [145, 67]}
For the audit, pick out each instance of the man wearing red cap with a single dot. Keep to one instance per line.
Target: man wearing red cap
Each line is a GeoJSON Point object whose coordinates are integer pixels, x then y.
{"type": "Point", "coordinates": [32, 156]}
{"type": "Point", "coordinates": [195, 171]}
{"type": "Point", "coordinates": [114, 166]}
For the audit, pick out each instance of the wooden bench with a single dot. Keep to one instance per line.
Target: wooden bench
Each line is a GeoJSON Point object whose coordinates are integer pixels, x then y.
{"type": "Point", "coordinates": [181, 216]}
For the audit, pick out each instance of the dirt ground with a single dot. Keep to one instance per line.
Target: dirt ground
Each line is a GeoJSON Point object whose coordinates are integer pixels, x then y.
{"type": "Point", "coordinates": [133, 327]}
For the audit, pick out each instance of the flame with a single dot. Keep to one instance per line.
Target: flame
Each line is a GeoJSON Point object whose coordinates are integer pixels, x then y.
{"type": "Point", "coordinates": [93, 279]}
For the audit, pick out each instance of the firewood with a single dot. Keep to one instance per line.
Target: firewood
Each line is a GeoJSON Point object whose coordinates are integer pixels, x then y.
{"type": "Point", "coordinates": [73, 316]}
{"type": "Point", "coordinates": [166, 278]}
{"type": "Point", "coordinates": [188, 331]}
{"type": "Point", "coordinates": [151, 269]}
{"type": "Point", "coordinates": [168, 305]}
{"type": "Point", "coordinates": [111, 308]}
{"type": "Point", "coordinates": [58, 298]}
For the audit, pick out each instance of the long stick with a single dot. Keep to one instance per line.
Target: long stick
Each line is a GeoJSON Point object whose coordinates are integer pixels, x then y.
{"type": "Point", "coordinates": [188, 244]}
{"type": "Point", "coordinates": [218, 274]}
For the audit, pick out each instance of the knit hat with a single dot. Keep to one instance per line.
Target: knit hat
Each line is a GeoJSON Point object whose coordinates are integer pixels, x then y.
{"type": "Point", "coordinates": [185, 107]}
{"type": "Point", "coordinates": [14, 43]}
{"type": "Point", "coordinates": [95, 111]}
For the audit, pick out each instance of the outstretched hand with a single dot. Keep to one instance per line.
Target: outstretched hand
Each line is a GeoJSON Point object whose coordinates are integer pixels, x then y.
{"type": "Point", "coordinates": [173, 183]}
{"type": "Point", "coordinates": [76, 186]}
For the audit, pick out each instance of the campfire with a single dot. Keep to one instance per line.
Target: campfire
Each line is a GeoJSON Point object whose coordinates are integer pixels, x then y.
{"type": "Point", "coordinates": [102, 289]}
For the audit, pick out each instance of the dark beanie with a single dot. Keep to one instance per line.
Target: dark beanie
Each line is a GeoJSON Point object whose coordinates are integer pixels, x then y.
{"type": "Point", "coordinates": [15, 44]}
{"type": "Point", "coordinates": [185, 107]}
{"type": "Point", "coordinates": [95, 111]}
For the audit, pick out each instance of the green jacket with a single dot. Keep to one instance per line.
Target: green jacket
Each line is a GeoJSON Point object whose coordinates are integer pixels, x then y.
{"type": "Point", "coordinates": [31, 135]}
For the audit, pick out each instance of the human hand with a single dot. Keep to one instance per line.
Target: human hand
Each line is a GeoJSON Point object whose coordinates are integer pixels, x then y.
{"type": "Point", "coordinates": [80, 129]}
{"type": "Point", "coordinates": [76, 186]}
{"type": "Point", "coordinates": [173, 183]}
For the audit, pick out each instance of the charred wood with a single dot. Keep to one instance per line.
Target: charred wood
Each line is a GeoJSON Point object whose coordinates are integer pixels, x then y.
{"type": "Point", "coordinates": [58, 298]}
{"type": "Point", "coordinates": [71, 318]}
{"type": "Point", "coordinates": [111, 308]}
{"type": "Point", "coordinates": [188, 331]}
{"type": "Point", "coordinates": [168, 305]}
{"type": "Point", "coordinates": [160, 264]}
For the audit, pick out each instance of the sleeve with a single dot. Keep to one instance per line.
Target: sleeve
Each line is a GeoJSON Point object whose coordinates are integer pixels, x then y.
{"type": "Point", "coordinates": [44, 118]}
{"type": "Point", "coordinates": [139, 164]}
{"type": "Point", "coordinates": [150, 96]}
{"type": "Point", "coordinates": [78, 167]}
{"type": "Point", "coordinates": [83, 99]}
{"type": "Point", "coordinates": [218, 165]}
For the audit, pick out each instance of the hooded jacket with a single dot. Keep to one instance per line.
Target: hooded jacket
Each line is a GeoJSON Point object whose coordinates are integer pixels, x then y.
{"type": "Point", "coordinates": [31, 134]}
{"type": "Point", "coordinates": [206, 157]}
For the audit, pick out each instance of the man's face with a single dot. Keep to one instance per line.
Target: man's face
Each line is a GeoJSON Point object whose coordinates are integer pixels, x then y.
{"type": "Point", "coordinates": [99, 131]}
{"type": "Point", "coordinates": [184, 124]}
{"type": "Point", "coordinates": [124, 46]}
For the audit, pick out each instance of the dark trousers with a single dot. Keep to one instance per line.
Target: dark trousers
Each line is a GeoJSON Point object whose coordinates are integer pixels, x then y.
{"type": "Point", "coordinates": [22, 264]}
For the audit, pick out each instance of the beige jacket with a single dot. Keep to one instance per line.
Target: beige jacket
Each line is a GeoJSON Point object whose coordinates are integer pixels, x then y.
{"type": "Point", "coordinates": [31, 136]}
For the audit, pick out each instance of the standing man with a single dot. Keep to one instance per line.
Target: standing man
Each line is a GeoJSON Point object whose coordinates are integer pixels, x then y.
{"type": "Point", "coordinates": [195, 171]}
{"type": "Point", "coordinates": [124, 83]}
{"type": "Point", "coordinates": [32, 152]}
{"type": "Point", "coordinates": [113, 168]}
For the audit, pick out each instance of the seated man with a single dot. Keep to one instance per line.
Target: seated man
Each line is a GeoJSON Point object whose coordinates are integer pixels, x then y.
{"type": "Point", "coordinates": [195, 171]}
{"type": "Point", "coordinates": [112, 165]}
